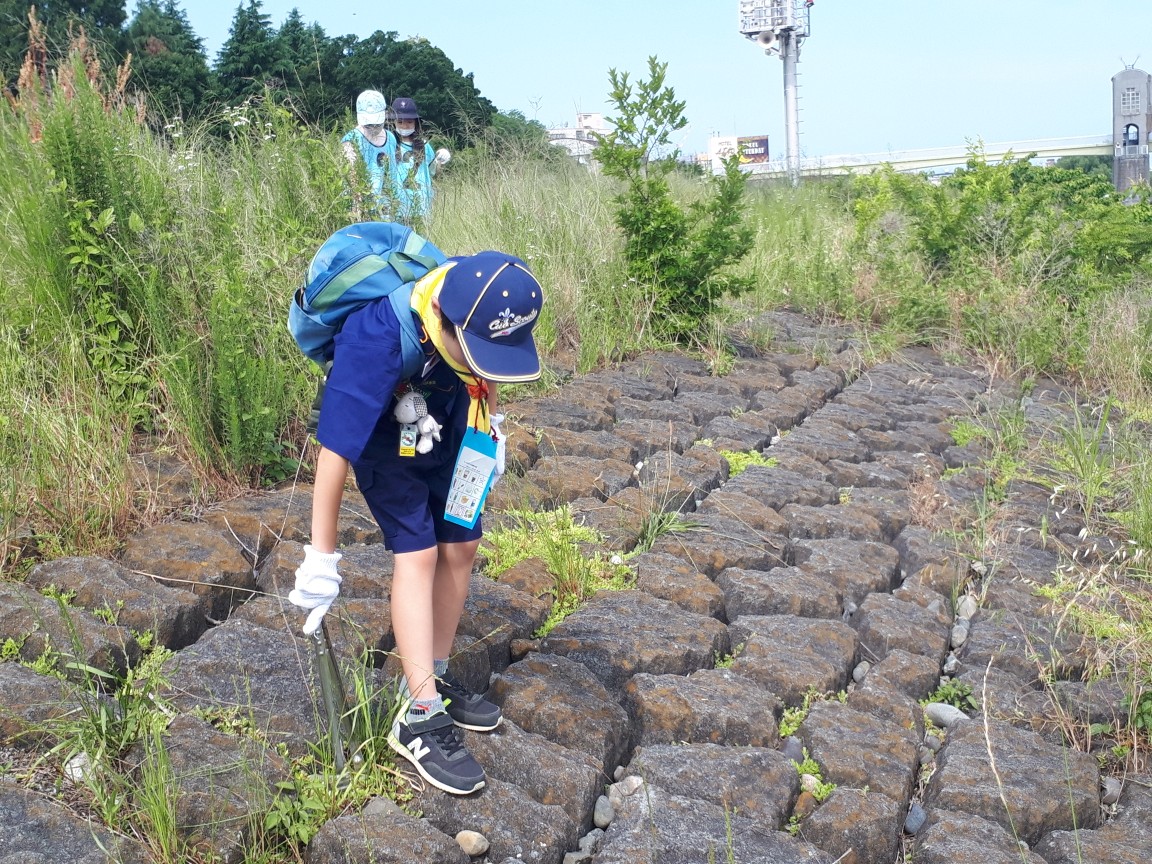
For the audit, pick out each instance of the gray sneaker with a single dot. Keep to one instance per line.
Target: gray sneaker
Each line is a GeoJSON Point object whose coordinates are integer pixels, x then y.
{"type": "Point", "coordinates": [435, 747]}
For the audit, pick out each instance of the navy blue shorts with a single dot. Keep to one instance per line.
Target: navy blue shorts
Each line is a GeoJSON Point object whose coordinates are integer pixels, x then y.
{"type": "Point", "coordinates": [407, 497]}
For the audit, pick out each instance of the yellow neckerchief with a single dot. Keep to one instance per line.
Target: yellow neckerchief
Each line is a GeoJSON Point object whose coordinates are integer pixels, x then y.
{"type": "Point", "coordinates": [422, 293]}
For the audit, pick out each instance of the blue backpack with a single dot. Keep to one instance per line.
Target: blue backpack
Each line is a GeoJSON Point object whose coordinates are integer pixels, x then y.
{"type": "Point", "coordinates": [356, 265]}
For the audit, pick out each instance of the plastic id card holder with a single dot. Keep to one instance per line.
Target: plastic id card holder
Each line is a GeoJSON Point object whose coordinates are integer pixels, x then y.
{"type": "Point", "coordinates": [471, 479]}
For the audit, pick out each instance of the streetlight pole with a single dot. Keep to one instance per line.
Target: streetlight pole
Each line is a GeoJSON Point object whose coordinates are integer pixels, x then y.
{"type": "Point", "coordinates": [781, 26]}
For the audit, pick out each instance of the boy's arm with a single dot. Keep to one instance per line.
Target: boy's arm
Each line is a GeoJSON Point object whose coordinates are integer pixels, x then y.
{"type": "Point", "coordinates": [328, 492]}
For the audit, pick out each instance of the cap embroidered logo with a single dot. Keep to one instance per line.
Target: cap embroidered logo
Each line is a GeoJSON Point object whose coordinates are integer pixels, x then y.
{"type": "Point", "coordinates": [495, 301]}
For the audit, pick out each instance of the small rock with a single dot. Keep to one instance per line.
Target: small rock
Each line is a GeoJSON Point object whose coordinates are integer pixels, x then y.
{"type": "Point", "coordinates": [591, 841]}
{"type": "Point", "coordinates": [76, 769]}
{"type": "Point", "coordinates": [519, 648]}
{"type": "Point", "coordinates": [620, 790]}
{"type": "Point", "coordinates": [792, 749]}
{"type": "Point", "coordinates": [944, 715]}
{"type": "Point", "coordinates": [618, 774]}
{"type": "Point", "coordinates": [959, 635]}
{"type": "Point", "coordinates": [925, 754]}
{"type": "Point", "coordinates": [849, 610]}
{"type": "Point", "coordinates": [603, 813]}
{"type": "Point", "coordinates": [915, 819]}
{"type": "Point", "coordinates": [1111, 788]}
{"type": "Point", "coordinates": [381, 806]}
{"type": "Point", "coordinates": [577, 857]}
{"type": "Point", "coordinates": [860, 671]}
{"type": "Point", "coordinates": [809, 783]}
{"type": "Point", "coordinates": [951, 664]}
{"type": "Point", "coordinates": [473, 843]}
{"type": "Point", "coordinates": [979, 568]}
{"type": "Point", "coordinates": [805, 805]}
{"type": "Point", "coordinates": [933, 742]}
{"type": "Point", "coordinates": [967, 607]}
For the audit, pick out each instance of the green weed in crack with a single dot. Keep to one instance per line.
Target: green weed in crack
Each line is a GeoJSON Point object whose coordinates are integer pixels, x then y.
{"type": "Point", "coordinates": [113, 713]}
{"type": "Point", "coordinates": [739, 462]}
{"type": "Point", "coordinates": [573, 555]}
{"type": "Point", "coordinates": [955, 693]}
{"type": "Point", "coordinates": [1084, 456]}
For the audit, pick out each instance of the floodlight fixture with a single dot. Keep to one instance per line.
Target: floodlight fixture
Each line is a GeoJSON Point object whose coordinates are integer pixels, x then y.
{"type": "Point", "coordinates": [779, 27]}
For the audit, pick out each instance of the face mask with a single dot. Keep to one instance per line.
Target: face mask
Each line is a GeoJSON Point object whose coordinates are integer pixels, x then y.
{"type": "Point", "coordinates": [405, 131]}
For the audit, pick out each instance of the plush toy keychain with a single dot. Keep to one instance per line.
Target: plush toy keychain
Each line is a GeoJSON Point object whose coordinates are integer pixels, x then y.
{"type": "Point", "coordinates": [411, 409]}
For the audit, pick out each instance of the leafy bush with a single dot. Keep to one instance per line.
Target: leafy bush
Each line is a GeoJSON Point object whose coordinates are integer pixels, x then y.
{"type": "Point", "coordinates": [1064, 230]}
{"type": "Point", "coordinates": [680, 253]}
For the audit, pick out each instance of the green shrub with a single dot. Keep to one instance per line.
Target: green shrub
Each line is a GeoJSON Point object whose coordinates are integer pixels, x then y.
{"type": "Point", "coordinates": [680, 253]}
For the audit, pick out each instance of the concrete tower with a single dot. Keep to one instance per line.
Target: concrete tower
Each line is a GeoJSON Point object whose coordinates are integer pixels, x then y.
{"type": "Point", "coordinates": [1131, 127]}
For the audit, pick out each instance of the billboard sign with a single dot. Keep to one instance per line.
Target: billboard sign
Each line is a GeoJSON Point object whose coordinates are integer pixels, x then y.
{"type": "Point", "coordinates": [753, 149]}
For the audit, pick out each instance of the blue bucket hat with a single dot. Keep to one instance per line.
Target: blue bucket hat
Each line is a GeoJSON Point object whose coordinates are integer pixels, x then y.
{"type": "Point", "coordinates": [494, 301]}
{"type": "Point", "coordinates": [404, 108]}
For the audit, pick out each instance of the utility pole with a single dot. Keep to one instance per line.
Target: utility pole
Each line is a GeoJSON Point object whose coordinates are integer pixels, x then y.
{"type": "Point", "coordinates": [781, 26]}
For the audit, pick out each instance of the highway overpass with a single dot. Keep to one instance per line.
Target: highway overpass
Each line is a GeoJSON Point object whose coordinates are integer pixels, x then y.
{"type": "Point", "coordinates": [939, 158]}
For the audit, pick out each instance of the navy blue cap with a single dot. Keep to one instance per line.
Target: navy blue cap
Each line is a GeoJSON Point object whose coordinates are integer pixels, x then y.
{"type": "Point", "coordinates": [494, 301]}
{"type": "Point", "coordinates": [404, 108]}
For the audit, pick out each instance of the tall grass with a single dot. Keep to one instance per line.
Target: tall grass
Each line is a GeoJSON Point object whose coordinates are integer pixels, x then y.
{"type": "Point", "coordinates": [148, 272]}
{"type": "Point", "coordinates": [802, 254]}
{"type": "Point", "coordinates": [147, 278]}
{"type": "Point", "coordinates": [558, 218]}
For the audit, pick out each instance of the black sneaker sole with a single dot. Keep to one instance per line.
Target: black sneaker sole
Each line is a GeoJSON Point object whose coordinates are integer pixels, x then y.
{"type": "Point", "coordinates": [401, 750]}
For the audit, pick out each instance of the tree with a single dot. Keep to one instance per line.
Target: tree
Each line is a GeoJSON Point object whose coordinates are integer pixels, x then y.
{"type": "Point", "coordinates": [1093, 165]}
{"type": "Point", "coordinates": [448, 99]}
{"type": "Point", "coordinates": [168, 60]}
{"type": "Point", "coordinates": [681, 253]}
{"type": "Point", "coordinates": [513, 136]}
{"type": "Point", "coordinates": [102, 21]}
{"type": "Point", "coordinates": [313, 61]}
{"type": "Point", "coordinates": [251, 59]}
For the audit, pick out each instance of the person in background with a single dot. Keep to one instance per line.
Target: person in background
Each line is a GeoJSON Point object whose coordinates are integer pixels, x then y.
{"type": "Point", "coordinates": [413, 163]}
{"type": "Point", "coordinates": [367, 144]}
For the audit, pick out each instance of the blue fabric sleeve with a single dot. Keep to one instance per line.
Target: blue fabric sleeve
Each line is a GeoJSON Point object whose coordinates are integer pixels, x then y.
{"type": "Point", "coordinates": [366, 369]}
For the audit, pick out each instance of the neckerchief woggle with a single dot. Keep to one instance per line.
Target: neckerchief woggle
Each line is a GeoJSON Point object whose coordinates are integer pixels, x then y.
{"type": "Point", "coordinates": [476, 461]}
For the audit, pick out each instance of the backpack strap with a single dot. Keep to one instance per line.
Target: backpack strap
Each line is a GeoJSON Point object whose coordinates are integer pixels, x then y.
{"type": "Point", "coordinates": [400, 261]}
{"type": "Point", "coordinates": [412, 356]}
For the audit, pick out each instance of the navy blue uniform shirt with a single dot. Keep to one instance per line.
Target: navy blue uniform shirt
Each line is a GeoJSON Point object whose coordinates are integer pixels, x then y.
{"type": "Point", "coordinates": [406, 494]}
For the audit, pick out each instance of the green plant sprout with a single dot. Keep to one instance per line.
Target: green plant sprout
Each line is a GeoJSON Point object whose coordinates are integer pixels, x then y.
{"type": "Point", "coordinates": [739, 462]}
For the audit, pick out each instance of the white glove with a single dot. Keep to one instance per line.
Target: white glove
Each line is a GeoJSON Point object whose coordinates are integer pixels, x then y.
{"type": "Point", "coordinates": [501, 450]}
{"type": "Point", "coordinates": [442, 156]}
{"type": "Point", "coordinates": [317, 585]}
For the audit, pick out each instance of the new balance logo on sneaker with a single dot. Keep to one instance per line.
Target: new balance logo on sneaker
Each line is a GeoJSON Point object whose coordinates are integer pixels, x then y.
{"type": "Point", "coordinates": [435, 748]}
{"type": "Point", "coordinates": [418, 749]}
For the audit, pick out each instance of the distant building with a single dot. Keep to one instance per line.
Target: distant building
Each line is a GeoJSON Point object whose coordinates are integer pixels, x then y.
{"type": "Point", "coordinates": [1131, 127]}
{"type": "Point", "coordinates": [579, 140]}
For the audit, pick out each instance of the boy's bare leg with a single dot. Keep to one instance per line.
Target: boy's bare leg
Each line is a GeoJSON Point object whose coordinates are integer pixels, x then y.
{"type": "Point", "coordinates": [413, 581]}
{"type": "Point", "coordinates": [453, 572]}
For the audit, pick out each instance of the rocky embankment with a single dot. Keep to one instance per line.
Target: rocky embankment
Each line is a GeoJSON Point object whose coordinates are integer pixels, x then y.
{"type": "Point", "coordinates": [646, 726]}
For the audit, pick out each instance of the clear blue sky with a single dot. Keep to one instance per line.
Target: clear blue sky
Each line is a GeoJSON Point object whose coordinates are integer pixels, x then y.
{"type": "Point", "coordinates": [874, 76]}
